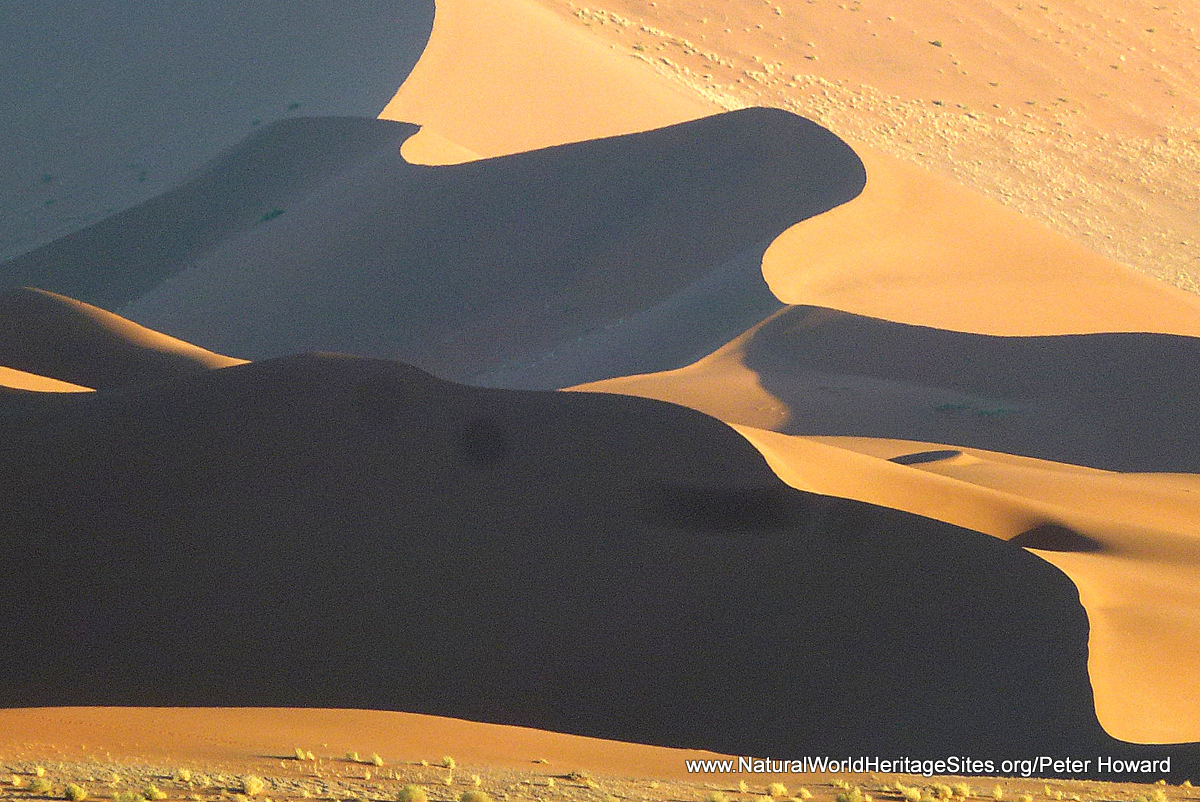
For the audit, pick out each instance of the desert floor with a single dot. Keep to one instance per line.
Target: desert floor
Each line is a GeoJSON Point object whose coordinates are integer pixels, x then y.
{"type": "Point", "coordinates": [360, 756]}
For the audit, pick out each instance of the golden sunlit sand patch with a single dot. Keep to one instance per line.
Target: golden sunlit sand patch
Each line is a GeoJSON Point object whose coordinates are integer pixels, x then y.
{"type": "Point", "coordinates": [1080, 115]}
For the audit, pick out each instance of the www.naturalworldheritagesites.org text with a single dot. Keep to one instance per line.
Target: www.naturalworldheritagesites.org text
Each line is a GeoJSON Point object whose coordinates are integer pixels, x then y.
{"type": "Point", "coordinates": [1040, 766]}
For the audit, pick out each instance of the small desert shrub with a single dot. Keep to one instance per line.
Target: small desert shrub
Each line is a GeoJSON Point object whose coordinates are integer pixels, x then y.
{"type": "Point", "coordinates": [449, 762]}
{"type": "Point", "coordinates": [840, 783]}
{"type": "Point", "coordinates": [853, 795]}
{"type": "Point", "coordinates": [942, 791]}
{"type": "Point", "coordinates": [910, 794]}
{"type": "Point", "coordinates": [76, 793]}
{"type": "Point", "coordinates": [412, 793]}
{"type": "Point", "coordinates": [128, 796]}
{"type": "Point", "coordinates": [375, 759]}
{"type": "Point", "coordinates": [998, 793]}
{"type": "Point", "coordinates": [183, 776]}
{"type": "Point", "coordinates": [777, 790]}
{"type": "Point", "coordinates": [39, 771]}
{"type": "Point", "coordinates": [961, 789]}
{"type": "Point", "coordinates": [39, 785]}
{"type": "Point", "coordinates": [474, 796]}
{"type": "Point", "coordinates": [742, 787]}
{"type": "Point", "coordinates": [1158, 795]}
{"type": "Point", "coordinates": [253, 786]}
{"type": "Point", "coordinates": [716, 796]}
{"type": "Point", "coordinates": [804, 793]}
{"type": "Point", "coordinates": [151, 792]}
{"type": "Point", "coordinates": [352, 757]}
{"type": "Point", "coordinates": [1025, 798]}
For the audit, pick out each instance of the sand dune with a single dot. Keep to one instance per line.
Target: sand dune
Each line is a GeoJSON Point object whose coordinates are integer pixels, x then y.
{"type": "Point", "coordinates": [541, 269]}
{"type": "Point", "coordinates": [331, 531]}
{"type": "Point", "coordinates": [1130, 542]}
{"type": "Point", "coordinates": [335, 532]}
{"type": "Point", "coordinates": [107, 106]}
{"type": "Point", "coordinates": [918, 249]}
{"type": "Point", "coordinates": [543, 82]}
{"type": "Point", "coordinates": [75, 342]}
{"type": "Point", "coordinates": [1123, 402]}
{"type": "Point", "coordinates": [12, 379]}
{"type": "Point", "coordinates": [125, 255]}
{"type": "Point", "coordinates": [1078, 115]}
{"type": "Point", "coordinates": [1119, 401]}
{"type": "Point", "coordinates": [247, 735]}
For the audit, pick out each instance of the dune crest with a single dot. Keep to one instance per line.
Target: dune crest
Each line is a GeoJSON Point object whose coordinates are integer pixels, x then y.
{"type": "Point", "coordinates": [80, 344]}
{"type": "Point", "coordinates": [541, 82]}
{"type": "Point", "coordinates": [13, 379]}
{"type": "Point", "coordinates": [996, 434]}
{"type": "Point", "coordinates": [916, 248]}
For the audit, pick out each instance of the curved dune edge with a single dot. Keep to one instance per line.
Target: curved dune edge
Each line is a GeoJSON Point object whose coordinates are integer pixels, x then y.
{"type": "Point", "coordinates": [543, 82]}
{"type": "Point", "coordinates": [81, 345]}
{"type": "Point", "coordinates": [21, 380]}
{"type": "Point", "coordinates": [237, 734]}
{"type": "Point", "coordinates": [1141, 590]}
{"type": "Point", "coordinates": [1137, 588]}
{"type": "Point", "coordinates": [916, 248]}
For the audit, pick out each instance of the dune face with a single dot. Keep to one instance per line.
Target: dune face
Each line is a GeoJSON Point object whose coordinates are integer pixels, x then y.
{"type": "Point", "coordinates": [1118, 401]}
{"type": "Point", "coordinates": [945, 502]}
{"type": "Point", "coordinates": [543, 82]}
{"type": "Point", "coordinates": [50, 334]}
{"type": "Point", "coordinates": [120, 258]}
{"type": "Point", "coordinates": [108, 105]}
{"type": "Point", "coordinates": [1079, 115]}
{"type": "Point", "coordinates": [930, 421]}
{"type": "Point", "coordinates": [528, 270]}
{"type": "Point", "coordinates": [336, 532]}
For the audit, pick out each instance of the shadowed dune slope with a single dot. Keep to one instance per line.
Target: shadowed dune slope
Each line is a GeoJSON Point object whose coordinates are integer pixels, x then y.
{"type": "Point", "coordinates": [55, 336]}
{"type": "Point", "coordinates": [528, 268]}
{"type": "Point", "coordinates": [123, 256]}
{"type": "Point", "coordinates": [335, 532]}
{"type": "Point", "coordinates": [1118, 401]}
{"type": "Point", "coordinates": [108, 104]}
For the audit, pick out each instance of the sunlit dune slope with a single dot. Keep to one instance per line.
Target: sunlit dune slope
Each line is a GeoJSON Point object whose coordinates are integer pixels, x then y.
{"type": "Point", "coordinates": [918, 249]}
{"type": "Point", "coordinates": [1078, 114]}
{"type": "Point", "coordinates": [12, 379]}
{"type": "Point", "coordinates": [505, 76]}
{"type": "Point", "coordinates": [541, 269]}
{"type": "Point", "coordinates": [1120, 401]}
{"type": "Point", "coordinates": [74, 342]}
{"type": "Point", "coordinates": [238, 739]}
{"type": "Point", "coordinates": [1129, 541]}
{"type": "Point", "coordinates": [334, 532]}
{"type": "Point", "coordinates": [929, 421]}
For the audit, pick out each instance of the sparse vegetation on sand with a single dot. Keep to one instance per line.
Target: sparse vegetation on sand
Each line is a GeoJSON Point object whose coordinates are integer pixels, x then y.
{"type": "Point", "coordinates": [277, 779]}
{"type": "Point", "coordinates": [253, 785]}
{"type": "Point", "coordinates": [474, 796]}
{"type": "Point", "coordinates": [412, 793]}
